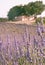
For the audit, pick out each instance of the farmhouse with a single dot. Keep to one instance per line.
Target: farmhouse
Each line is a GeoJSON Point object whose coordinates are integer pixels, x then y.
{"type": "Point", "coordinates": [25, 19]}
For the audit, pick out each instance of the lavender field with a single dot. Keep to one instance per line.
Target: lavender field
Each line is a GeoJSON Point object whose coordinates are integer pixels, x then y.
{"type": "Point", "coordinates": [22, 44]}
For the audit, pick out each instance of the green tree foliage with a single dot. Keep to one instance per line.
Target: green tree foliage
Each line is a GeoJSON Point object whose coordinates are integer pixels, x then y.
{"type": "Point", "coordinates": [36, 7]}
{"type": "Point", "coordinates": [14, 12]}
{"type": "Point", "coordinates": [29, 9]}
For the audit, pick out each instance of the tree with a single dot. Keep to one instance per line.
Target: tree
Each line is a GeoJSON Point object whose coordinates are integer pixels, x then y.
{"type": "Point", "coordinates": [14, 12]}
{"type": "Point", "coordinates": [36, 7]}
{"type": "Point", "coordinates": [31, 8]}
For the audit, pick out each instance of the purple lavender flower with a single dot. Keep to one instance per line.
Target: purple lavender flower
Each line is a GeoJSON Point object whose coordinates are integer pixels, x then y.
{"type": "Point", "coordinates": [0, 46]}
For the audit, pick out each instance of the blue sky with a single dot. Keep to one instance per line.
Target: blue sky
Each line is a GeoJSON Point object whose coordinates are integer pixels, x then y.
{"type": "Point", "coordinates": [5, 5]}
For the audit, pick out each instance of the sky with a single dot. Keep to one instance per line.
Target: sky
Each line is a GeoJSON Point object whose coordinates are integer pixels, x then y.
{"type": "Point", "coordinates": [5, 5]}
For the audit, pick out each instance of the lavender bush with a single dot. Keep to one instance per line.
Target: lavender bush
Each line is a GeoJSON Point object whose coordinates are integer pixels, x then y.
{"type": "Point", "coordinates": [23, 48]}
